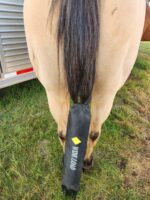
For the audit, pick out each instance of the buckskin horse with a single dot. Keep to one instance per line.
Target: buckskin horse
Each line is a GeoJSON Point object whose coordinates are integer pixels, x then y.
{"type": "Point", "coordinates": [146, 33]}
{"type": "Point", "coordinates": [83, 49]}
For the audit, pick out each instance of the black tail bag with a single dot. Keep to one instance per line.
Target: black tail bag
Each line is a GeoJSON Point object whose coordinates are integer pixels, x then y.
{"type": "Point", "coordinates": [75, 149]}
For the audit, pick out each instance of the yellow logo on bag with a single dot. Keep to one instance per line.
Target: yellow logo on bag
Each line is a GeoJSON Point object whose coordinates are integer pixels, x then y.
{"type": "Point", "coordinates": [76, 140]}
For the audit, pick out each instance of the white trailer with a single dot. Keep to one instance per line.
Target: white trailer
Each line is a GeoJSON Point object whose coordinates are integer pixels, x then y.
{"type": "Point", "coordinates": [15, 66]}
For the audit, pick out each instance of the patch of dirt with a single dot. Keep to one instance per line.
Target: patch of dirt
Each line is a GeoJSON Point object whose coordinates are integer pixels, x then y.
{"type": "Point", "coordinates": [122, 163]}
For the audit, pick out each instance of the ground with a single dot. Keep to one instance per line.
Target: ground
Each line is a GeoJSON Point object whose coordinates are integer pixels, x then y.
{"type": "Point", "coordinates": [31, 156]}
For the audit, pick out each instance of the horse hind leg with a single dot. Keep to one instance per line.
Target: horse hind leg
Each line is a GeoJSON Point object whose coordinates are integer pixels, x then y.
{"type": "Point", "coordinates": [59, 103]}
{"type": "Point", "coordinates": [104, 95]}
{"type": "Point", "coordinates": [100, 110]}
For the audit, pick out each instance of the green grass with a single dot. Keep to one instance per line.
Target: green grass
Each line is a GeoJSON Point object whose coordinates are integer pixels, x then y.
{"type": "Point", "coordinates": [30, 153]}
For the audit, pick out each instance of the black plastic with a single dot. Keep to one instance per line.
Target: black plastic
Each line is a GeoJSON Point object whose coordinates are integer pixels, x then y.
{"type": "Point", "coordinates": [78, 127]}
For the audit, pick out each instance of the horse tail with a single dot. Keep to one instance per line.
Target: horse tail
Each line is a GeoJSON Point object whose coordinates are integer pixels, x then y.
{"type": "Point", "coordinates": [78, 29]}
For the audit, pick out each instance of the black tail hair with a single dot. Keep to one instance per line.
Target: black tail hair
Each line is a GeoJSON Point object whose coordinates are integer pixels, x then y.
{"type": "Point", "coordinates": [78, 28]}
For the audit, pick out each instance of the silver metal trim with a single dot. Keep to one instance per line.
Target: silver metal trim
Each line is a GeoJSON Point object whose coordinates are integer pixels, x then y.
{"type": "Point", "coordinates": [18, 79]}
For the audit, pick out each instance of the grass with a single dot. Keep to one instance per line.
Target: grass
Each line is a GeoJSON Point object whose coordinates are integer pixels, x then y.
{"type": "Point", "coordinates": [30, 153]}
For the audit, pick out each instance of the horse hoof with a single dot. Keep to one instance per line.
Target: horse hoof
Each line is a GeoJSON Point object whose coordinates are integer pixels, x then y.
{"type": "Point", "coordinates": [88, 164]}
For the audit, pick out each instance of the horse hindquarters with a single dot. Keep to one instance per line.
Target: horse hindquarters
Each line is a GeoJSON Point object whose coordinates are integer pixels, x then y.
{"type": "Point", "coordinates": [119, 42]}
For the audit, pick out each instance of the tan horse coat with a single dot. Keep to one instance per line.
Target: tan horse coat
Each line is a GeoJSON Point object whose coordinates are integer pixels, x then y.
{"type": "Point", "coordinates": [121, 27]}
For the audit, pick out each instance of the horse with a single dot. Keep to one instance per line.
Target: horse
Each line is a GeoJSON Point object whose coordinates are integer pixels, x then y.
{"type": "Point", "coordinates": [146, 33]}
{"type": "Point", "coordinates": [83, 50]}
